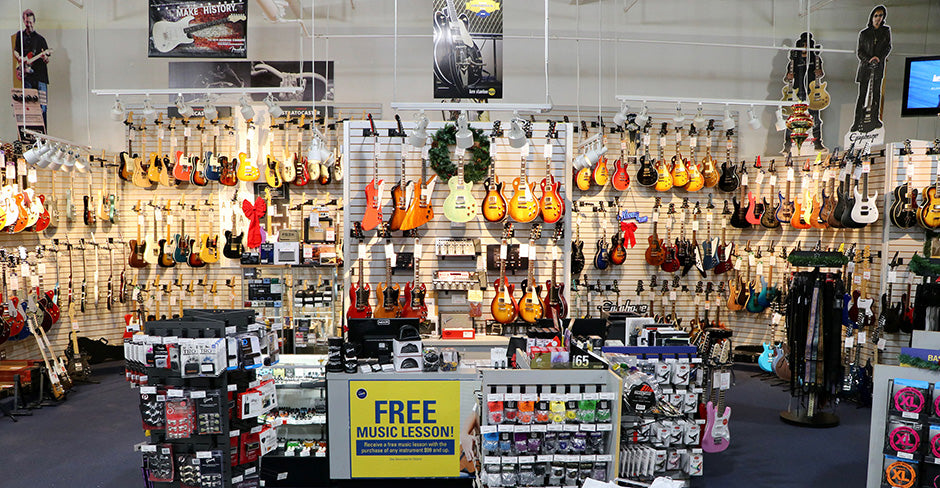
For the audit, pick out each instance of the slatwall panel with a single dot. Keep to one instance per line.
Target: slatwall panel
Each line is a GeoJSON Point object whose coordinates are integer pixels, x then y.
{"type": "Point", "coordinates": [360, 150]}
{"type": "Point", "coordinates": [213, 205]}
{"type": "Point", "coordinates": [905, 241]}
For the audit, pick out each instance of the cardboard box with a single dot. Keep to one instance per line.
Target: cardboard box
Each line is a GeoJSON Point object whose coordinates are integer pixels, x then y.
{"type": "Point", "coordinates": [458, 333]}
{"type": "Point", "coordinates": [409, 363]}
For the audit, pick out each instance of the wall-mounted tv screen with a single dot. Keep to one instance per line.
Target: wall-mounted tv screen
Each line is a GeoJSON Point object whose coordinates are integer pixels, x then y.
{"type": "Point", "coordinates": [921, 86]}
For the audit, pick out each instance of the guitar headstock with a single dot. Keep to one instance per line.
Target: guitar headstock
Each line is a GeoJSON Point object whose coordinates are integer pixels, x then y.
{"type": "Point", "coordinates": [558, 235]}
{"type": "Point", "coordinates": [663, 130]}
{"type": "Point", "coordinates": [685, 203]}
{"type": "Point", "coordinates": [665, 287]}
{"type": "Point", "coordinates": [657, 203]}
{"type": "Point", "coordinates": [639, 286]}
{"type": "Point", "coordinates": [709, 289]}
{"type": "Point", "coordinates": [356, 232]}
{"type": "Point", "coordinates": [710, 205]}
{"type": "Point", "coordinates": [935, 149]}
{"type": "Point", "coordinates": [536, 232]}
{"type": "Point", "coordinates": [698, 209]}
{"type": "Point", "coordinates": [710, 127]}
{"type": "Point", "coordinates": [496, 132]}
{"type": "Point", "coordinates": [692, 131]}
{"type": "Point", "coordinates": [632, 127]}
{"type": "Point", "coordinates": [675, 282]}
{"type": "Point", "coordinates": [384, 232]}
{"type": "Point", "coordinates": [653, 281]}
{"type": "Point", "coordinates": [721, 288]}
{"type": "Point", "coordinates": [672, 209]}
{"type": "Point", "coordinates": [552, 132]}
{"type": "Point", "coordinates": [508, 230]}
{"type": "Point", "coordinates": [700, 287]}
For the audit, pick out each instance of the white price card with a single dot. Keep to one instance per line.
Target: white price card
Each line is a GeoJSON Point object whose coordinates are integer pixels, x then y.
{"type": "Point", "coordinates": [389, 250]}
{"type": "Point", "coordinates": [849, 342]}
{"type": "Point", "coordinates": [892, 276]}
{"type": "Point", "coordinates": [673, 296]}
{"type": "Point", "coordinates": [773, 180]}
{"type": "Point", "coordinates": [502, 251]}
{"type": "Point", "coordinates": [744, 179]}
{"type": "Point", "coordinates": [187, 131]}
{"type": "Point", "coordinates": [725, 380]}
{"type": "Point", "coordinates": [882, 343]}
{"type": "Point", "coordinates": [547, 151]}
{"type": "Point", "coordinates": [524, 250]}
{"type": "Point", "coordinates": [760, 177]}
{"type": "Point", "coordinates": [161, 133]}
{"type": "Point", "coordinates": [866, 275]}
{"type": "Point", "coordinates": [760, 269]}
{"type": "Point", "coordinates": [695, 226]}
{"type": "Point", "coordinates": [866, 167]}
{"type": "Point", "coordinates": [857, 279]}
{"type": "Point", "coordinates": [791, 175]}
{"type": "Point", "coordinates": [862, 336]}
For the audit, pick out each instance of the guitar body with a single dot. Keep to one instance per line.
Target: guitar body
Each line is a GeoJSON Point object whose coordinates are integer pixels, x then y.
{"type": "Point", "coordinates": [389, 307]}
{"type": "Point", "coordinates": [670, 262]}
{"type": "Point", "coordinates": [272, 173]}
{"type": "Point", "coordinates": [183, 168]}
{"type": "Point", "coordinates": [399, 206]}
{"type": "Point", "coordinates": [646, 174]}
{"type": "Point", "coordinates": [696, 179]}
{"type": "Point", "coordinates": [665, 181]}
{"type": "Point", "coordinates": [654, 253]}
{"type": "Point", "coordinates": [44, 218]}
{"type": "Point", "coordinates": [22, 213]}
{"type": "Point", "coordinates": [421, 211]}
{"type": "Point", "coordinates": [16, 319]}
{"type": "Point", "coordinates": [503, 307]}
{"type": "Point", "coordinates": [601, 175]}
{"type": "Point", "coordinates": [717, 436]}
{"type": "Point", "coordinates": [247, 169]}
{"type": "Point", "coordinates": [797, 221]}
{"type": "Point", "coordinates": [197, 175]}
{"type": "Point", "coordinates": [523, 206]}
{"type": "Point", "coordinates": [814, 221]}
{"type": "Point", "coordinates": [289, 170]}
{"type": "Point", "coordinates": [460, 206]}
{"type": "Point", "coordinates": [325, 175]}
{"type": "Point", "coordinates": [125, 171]}
{"type": "Point", "coordinates": [729, 180]}
{"type": "Point", "coordinates": [139, 175]}
{"type": "Point", "coordinates": [818, 96]}
{"type": "Point", "coordinates": [233, 247]}
{"type": "Point", "coordinates": [213, 169]}
{"type": "Point", "coordinates": [301, 174]}
{"type": "Point", "coordinates": [752, 304]}
{"type": "Point", "coordinates": [929, 214]}
{"type": "Point", "coordinates": [414, 306]}
{"type": "Point", "coordinates": [601, 257]}
{"type": "Point", "coordinates": [865, 211]}
{"type": "Point", "coordinates": [166, 257]}
{"type": "Point", "coordinates": [754, 210]}
{"type": "Point", "coordinates": [618, 253]}
{"type": "Point", "coordinates": [181, 254]}
{"type": "Point", "coordinates": [582, 178]}
{"type": "Point", "coordinates": [829, 205]}
{"type": "Point", "coordinates": [136, 257]}
{"type": "Point", "coordinates": [209, 250]}
{"type": "Point", "coordinates": [679, 172]}
{"type": "Point", "coordinates": [710, 172]}
{"type": "Point", "coordinates": [555, 304]}
{"type": "Point", "coordinates": [359, 307]}
{"type": "Point", "coordinates": [739, 215]}
{"type": "Point", "coordinates": [167, 35]}
{"type": "Point", "coordinates": [229, 176]}
{"type": "Point", "coordinates": [621, 178]}
{"type": "Point", "coordinates": [530, 305]}
{"type": "Point", "coordinates": [785, 209]}
{"type": "Point", "coordinates": [494, 204]}
{"type": "Point", "coordinates": [765, 360]}
{"type": "Point", "coordinates": [552, 206]}
{"type": "Point", "coordinates": [373, 215]}
{"type": "Point", "coordinates": [194, 260]}
{"type": "Point", "coordinates": [577, 257]}
{"type": "Point", "coordinates": [781, 364]}
{"type": "Point", "coordinates": [904, 209]}
{"type": "Point", "coordinates": [734, 294]}
{"type": "Point", "coordinates": [768, 218]}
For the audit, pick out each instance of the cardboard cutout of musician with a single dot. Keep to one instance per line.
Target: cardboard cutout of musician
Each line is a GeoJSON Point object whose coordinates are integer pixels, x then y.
{"type": "Point", "coordinates": [874, 44]}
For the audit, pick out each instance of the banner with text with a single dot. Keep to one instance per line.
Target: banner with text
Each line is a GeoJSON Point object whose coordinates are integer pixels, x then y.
{"type": "Point", "coordinates": [404, 429]}
{"type": "Point", "coordinates": [198, 28]}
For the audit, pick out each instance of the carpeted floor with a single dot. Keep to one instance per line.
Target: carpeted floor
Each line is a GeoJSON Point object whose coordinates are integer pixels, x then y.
{"type": "Point", "coordinates": [88, 442]}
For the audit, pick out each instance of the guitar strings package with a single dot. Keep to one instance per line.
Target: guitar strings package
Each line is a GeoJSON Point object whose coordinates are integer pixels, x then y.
{"type": "Point", "coordinates": [903, 438]}
{"type": "Point", "coordinates": [899, 473]}
{"type": "Point", "coordinates": [908, 399]}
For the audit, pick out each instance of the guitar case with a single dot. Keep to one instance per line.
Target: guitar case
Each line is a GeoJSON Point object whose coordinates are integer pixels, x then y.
{"type": "Point", "coordinates": [99, 351]}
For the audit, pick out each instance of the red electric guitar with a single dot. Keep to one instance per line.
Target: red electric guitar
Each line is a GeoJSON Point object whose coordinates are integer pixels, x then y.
{"type": "Point", "coordinates": [375, 189]}
{"type": "Point", "coordinates": [555, 304]}
{"type": "Point", "coordinates": [359, 307]}
{"type": "Point", "coordinates": [415, 292]}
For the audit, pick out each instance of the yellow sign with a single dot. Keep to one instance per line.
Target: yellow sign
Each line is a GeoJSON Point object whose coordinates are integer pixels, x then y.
{"type": "Point", "coordinates": [482, 8]}
{"type": "Point", "coordinates": [404, 429]}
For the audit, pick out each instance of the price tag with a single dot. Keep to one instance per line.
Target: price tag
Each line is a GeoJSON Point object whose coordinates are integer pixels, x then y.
{"type": "Point", "coordinates": [751, 260]}
{"type": "Point", "coordinates": [666, 301]}
{"type": "Point", "coordinates": [673, 296]}
{"type": "Point", "coordinates": [773, 180]}
{"type": "Point", "coordinates": [361, 249]}
{"type": "Point", "coordinates": [695, 226]}
{"type": "Point", "coordinates": [850, 267]}
{"type": "Point", "coordinates": [547, 151]}
{"type": "Point", "coordinates": [760, 177]}
{"type": "Point", "coordinates": [882, 343]}
{"type": "Point", "coordinates": [708, 304]}
{"type": "Point", "coordinates": [187, 131]}
{"type": "Point", "coordinates": [827, 174]}
{"type": "Point", "coordinates": [173, 300]}
{"type": "Point", "coordinates": [646, 139]}
{"type": "Point", "coordinates": [21, 166]}
{"type": "Point", "coordinates": [148, 390]}
{"type": "Point", "coordinates": [282, 476]}
{"type": "Point", "coordinates": [738, 263]}
{"type": "Point", "coordinates": [11, 172]}
{"type": "Point", "coordinates": [555, 254]}
{"type": "Point", "coordinates": [216, 131]}
{"type": "Point", "coordinates": [31, 176]}
{"type": "Point", "coordinates": [475, 296]}
{"type": "Point", "coordinates": [389, 250]}
{"type": "Point", "coordinates": [857, 279]}
{"type": "Point", "coordinates": [910, 169]}
{"type": "Point", "coordinates": [791, 175]}
{"type": "Point", "coordinates": [816, 175]}
{"type": "Point", "coordinates": [772, 260]}
{"type": "Point", "coordinates": [24, 270]}
{"type": "Point", "coordinates": [524, 250]}
{"type": "Point", "coordinates": [760, 269]}
{"type": "Point", "coordinates": [866, 167]}
{"type": "Point", "coordinates": [709, 217]}
{"type": "Point", "coordinates": [744, 179]}
{"type": "Point", "coordinates": [849, 342]}
{"type": "Point", "coordinates": [862, 336]}
{"type": "Point", "coordinates": [867, 275]}
{"type": "Point", "coordinates": [857, 173]}
{"type": "Point", "coordinates": [725, 380]}
{"type": "Point", "coordinates": [502, 251]}
{"type": "Point", "coordinates": [161, 132]}
{"type": "Point", "coordinates": [174, 393]}
{"type": "Point", "coordinates": [892, 276]}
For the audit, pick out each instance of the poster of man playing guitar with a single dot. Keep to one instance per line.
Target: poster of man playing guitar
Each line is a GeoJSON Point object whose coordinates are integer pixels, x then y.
{"type": "Point", "coordinates": [468, 49]}
{"type": "Point", "coordinates": [31, 56]}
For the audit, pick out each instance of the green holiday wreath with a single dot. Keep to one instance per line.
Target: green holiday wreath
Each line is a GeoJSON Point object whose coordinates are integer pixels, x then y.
{"type": "Point", "coordinates": [476, 165]}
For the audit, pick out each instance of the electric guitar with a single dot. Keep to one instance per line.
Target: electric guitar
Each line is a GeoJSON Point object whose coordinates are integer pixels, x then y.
{"type": "Point", "coordinates": [552, 205]}
{"type": "Point", "coordinates": [768, 217]}
{"type": "Point", "coordinates": [233, 247]}
{"type": "Point", "coordinates": [272, 167]}
{"type": "Point", "coordinates": [696, 178]}
{"type": "Point", "coordinates": [754, 210]}
{"type": "Point", "coordinates": [388, 292]}
{"type": "Point", "coordinates": [647, 173]}
{"type": "Point", "coordinates": [421, 211]}
{"type": "Point", "coordinates": [904, 209]}
{"type": "Point", "coordinates": [654, 253]}
{"type": "Point", "coordinates": [166, 35]}
{"type": "Point", "coordinates": [401, 191]}
{"type": "Point", "coordinates": [194, 260]}
{"type": "Point", "coordinates": [620, 179]}
{"type": "Point", "coordinates": [577, 250]}
{"type": "Point", "coordinates": [709, 169]}
{"type": "Point", "coordinates": [209, 244]}
{"type": "Point", "coordinates": [582, 167]}
{"type": "Point", "coordinates": [213, 166]}
{"type": "Point", "coordinates": [665, 181]}
{"type": "Point", "coordinates": [167, 246]}
{"type": "Point", "coordinates": [678, 169]}
{"type": "Point", "coordinates": [523, 206]}
{"type": "Point", "coordinates": [460, 206]}
{"type": "Point", "coordinates": [729, 181]}
{"type": "Point", "coordinates": [183, 168]}
{"type": "Point", "coordinates": [138, 246]}
{"type": "Point", "coordinates": [301, 173]}
{"type": "Point", "coordinates": [555, 305]}
{"type": "Point", "coordinates": [415, 292]}
{"type": "Point", "coordinates": [601, 255]}
{"type": "Point", "coordinates": [494, 203]}
{"type": "Point", "coordinates": [504, 307]}
{"type": "Point", "coordinates": [165, 177]}
{"type": "Point", "coordinates": [803, 207]}
{"type": "Point", "coordinates": [739, 215]}
{"type": "Point", "coordinates": [717, 435]}
{"type": "Point", "coordinates": [670, 262]}
{"type": "Point", "coordinates": [24, 64]}
{"type": "Point", "coordinates": [197, 175]}
{"type": "Point", "coordinates": [359, 307]}
{"type": "Point", "coordinates": [818, 96]}
{"type": "Point", "coordinates": [530, 305]}
{"type": "Point", "coordinates": [601, 175]}
{"type": "Point", "coordinates": [865, 210]}
{"type": "Point", "coordinates": [247, 169]}
{"type": "Point", "coordinates": [458, 60]}
{"type": "Point", "coordinates": [229, 175]}
{"type": "Point", "coordinates": [374, 190]}
{"type": "Point", "coordinates": [929, 214]}
{"type": "Point", "coordinates": [288, 168]}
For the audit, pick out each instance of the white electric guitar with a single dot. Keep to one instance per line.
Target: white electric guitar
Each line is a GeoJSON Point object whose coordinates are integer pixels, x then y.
{"type": "Point", "coordinates": [167, 35]}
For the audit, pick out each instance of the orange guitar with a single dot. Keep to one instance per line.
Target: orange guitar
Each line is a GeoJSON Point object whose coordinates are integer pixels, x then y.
{"type": "Point", "coordinates": [665, 181]}
{"type": "Point", "coordinates": [709, 169]}
{"type": "Point", "coordinates": [421, 212]}
{"type": "Point", "coordinates": [523, 206]}
{"type": "Point", "coordinates": [696, 179]}
{"type": "Point", "coordinates": [800, 214]}
{"type": "Point", "coordinates": [494, 203]}
{"type": "Point", "coordinates": [375, 188]}
{"type": "Point", "coordinates": [582, 169]}
{"type": "Point", "coordinates": [531, 307]}
{"type": "Point", "coordinates": [601, 174]}
{"type": "Point", "coordinates": [552, 204]}
{"type": "Point", "coordinates": [621, 178]}
{"type": "Point", "coordinates": [679, 172]}
{"type": "Point", "coordinates": [388, 292]}
{"type": "Point", "coordinates": [503, 306]}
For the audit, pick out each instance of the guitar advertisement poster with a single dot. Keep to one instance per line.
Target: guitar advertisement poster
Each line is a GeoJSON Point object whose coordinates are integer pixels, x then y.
{"type": "Point", "coordinates": [198, 29]}
{"type": "Point", "coordinates": [804, 82]}
{"type": "Point", "coordinates": [468, 49]}
{"type": "Point", "coordinates": [31, 56]}
{"type": "Point", "coordinates": [874, 45]}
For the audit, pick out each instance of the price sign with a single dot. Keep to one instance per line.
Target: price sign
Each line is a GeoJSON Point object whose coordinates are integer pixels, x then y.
{"type": "Point", "coordinates": [773, 180]}
{"type": "Point", "coordinates": [760, 177]}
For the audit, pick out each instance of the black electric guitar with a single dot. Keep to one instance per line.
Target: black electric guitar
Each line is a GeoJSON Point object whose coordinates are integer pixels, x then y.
{"type": "Point", "coordinates": [646, 174]}
{"type": "Point", "coordinates": [233, 247]}
{"type": "Point", "coordinates": [729, 181]}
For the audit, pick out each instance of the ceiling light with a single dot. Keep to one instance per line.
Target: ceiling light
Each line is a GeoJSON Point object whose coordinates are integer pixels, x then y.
{"type": "Point", "coordinates": [247, 112]}
{"type": "Point", "coordinates": [419, 136]}
{"type": "Point", "coordinates": [621, 117]}
{"type": "Point", "coordinates": [752, 119]}
{"type": "Point", "coordinates": [117, 111]}
{"type": "Point", "coordinates": [149, 112]}
{"type": "Point", "coordinates": [781, 123]}
{"type": "Point", "coordinates": [728, 121]}
{"type": "Point", "coordinates": [273, 109]}
{"type": "Point", "coordinates": [209, 110]}
{"type": "Point", "coordinates": [679, 117]}
{"type": "Point", "coordinates": [184, 108]}
{"type": "Point", "coordinates": [516, 134]}
{"type": "Point", "coordinates": [464, 136]}
{"type": "Point", "coordinates": [644, 116]}
{"type": "Point", "coordinates": [700, 115]}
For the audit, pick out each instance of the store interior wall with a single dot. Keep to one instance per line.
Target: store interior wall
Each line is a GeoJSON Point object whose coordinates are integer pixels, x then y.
{"type": "Point", "coordinates": [365, 66]}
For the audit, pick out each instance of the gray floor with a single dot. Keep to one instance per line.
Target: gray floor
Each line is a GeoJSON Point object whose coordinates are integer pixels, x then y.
{"type": "Point", "coordinates": [88, 440]}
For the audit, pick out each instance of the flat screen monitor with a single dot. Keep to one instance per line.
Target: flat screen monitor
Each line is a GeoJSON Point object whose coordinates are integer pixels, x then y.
{"type": "Point", "coordinates": [374, 336]}
{"type": "Point", "coordinates": [921, 86]}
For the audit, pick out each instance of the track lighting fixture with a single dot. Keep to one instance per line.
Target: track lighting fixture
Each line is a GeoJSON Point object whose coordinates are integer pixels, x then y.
{"type": "Point", "coordinates": [149, 112]}
{"type": "Point", "coordinates": [700, 115]}
{"type": "Point", "coordinates": [516, 134]}
{"type": "Point", "coordinates": [644, 116]}
{"type": "Point", "coordinates": [679, 117]}
{"type": "Point", "coordinates": [247, 112]}
{"type": "Point", "coordinates": [620, 117]}
{"type": "Point", "coordinates": [752, 119]}
{"type": "Point", "coordinates": [727, 122]}
{"type": "Point", "coordinates": [184, 108]}
{"type": "Point", "coordinates": [420, 134]}
{"type": "Point", "coordinates": [273, 109]}
{"type": "Point", "coordinates": [209, 110]}
{"type": "Point", "coordinates": [117, 110]}
{"type": "Point", "coordinates": [464, 136]}
{"type": "Point", "coordinates": [781, 123]}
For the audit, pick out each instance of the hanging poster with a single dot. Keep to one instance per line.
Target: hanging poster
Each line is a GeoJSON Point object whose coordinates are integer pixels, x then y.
{"type": "Point", "coordinates": [874, 44]}
{"type": "Point", "coordinates": [804, 82]}
{"type": "Point", "coordinates": [468, 49]}
{"type": "Point", "coordinates": [198, 28]}
{"type": "Point", "coordinates": [404, 429]}
{"type": "Point", "coordinates": [30, 93]}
